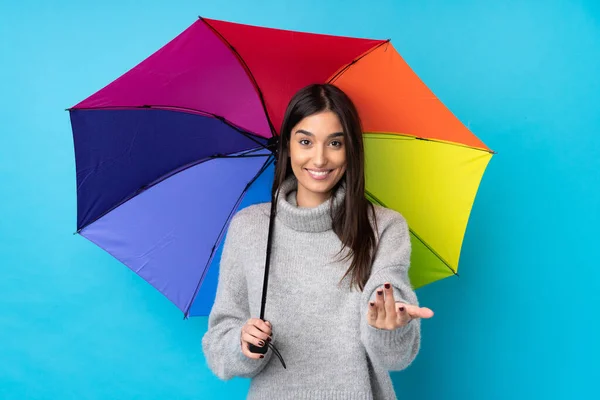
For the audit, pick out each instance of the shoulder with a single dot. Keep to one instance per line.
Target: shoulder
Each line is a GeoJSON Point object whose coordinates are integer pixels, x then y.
{"type": "Point", "coordinates": [251, 216]}
{"type": "Point", "coordinates": [246, 230]}
{"type": "Point", "coordinates": [390, 220]}
{"type": "Point", "coordinates": [393, 239]}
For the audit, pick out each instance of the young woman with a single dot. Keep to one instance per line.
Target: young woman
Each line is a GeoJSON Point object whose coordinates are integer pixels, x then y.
{"type": "Point", "coordinates": [340, 310]}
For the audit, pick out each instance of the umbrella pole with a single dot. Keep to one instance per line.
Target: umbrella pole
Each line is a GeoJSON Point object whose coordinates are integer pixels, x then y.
{"type": "Point", "coordinates": [253, 348]}
{"type": "Point", "coordinates": [268, 257]}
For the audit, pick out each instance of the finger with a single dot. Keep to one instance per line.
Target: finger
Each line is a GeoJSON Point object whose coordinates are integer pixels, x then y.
{"type": "Point", "coordinates": [401, 312]}
{"type": "Point", "coordinates": [248, 338]}
{"type": "Point", "coordinates": [400, 321]}
{"type": "Point", "coordinates": [372, 314]}
{"type": "Point", "coordinates": [255, 332]}
{"type": "Point", "coordinates": [379, 304]}
{"type": "Point", "coordinates": [269, 330]}
{"type": "Point", "coordinates": [390, 304]}
{"type": "Point", "coordinates": [261, 325]}
{"type": "Point", "coordinates": [419, 312]}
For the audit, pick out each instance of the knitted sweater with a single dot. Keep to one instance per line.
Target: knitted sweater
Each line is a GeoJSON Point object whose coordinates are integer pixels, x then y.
{"type": "Point", "coordinates": [319, 326]}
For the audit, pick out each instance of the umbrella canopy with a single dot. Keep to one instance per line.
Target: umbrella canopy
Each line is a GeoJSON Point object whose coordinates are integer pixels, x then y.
{"type": "Point", "coordinates": [168, 152]}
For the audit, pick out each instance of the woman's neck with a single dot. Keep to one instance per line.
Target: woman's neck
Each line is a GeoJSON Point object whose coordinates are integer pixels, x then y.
{"type": "Point", "coordinates": [306, 219]}
{"type": "Point", "coordinates": [307, 199]}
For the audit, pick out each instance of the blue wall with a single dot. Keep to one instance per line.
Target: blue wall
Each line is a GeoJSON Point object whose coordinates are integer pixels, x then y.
{"type": "Point", "coordinates": [519, 323]}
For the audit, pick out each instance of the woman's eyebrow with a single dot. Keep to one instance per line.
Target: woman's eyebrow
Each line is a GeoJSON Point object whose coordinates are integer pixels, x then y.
{"type": "Point", "coordinates": [307, 133]}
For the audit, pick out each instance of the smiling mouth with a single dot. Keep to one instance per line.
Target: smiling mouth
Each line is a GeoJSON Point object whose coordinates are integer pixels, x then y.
{"type": "Point", "coordinates": [319, 175]}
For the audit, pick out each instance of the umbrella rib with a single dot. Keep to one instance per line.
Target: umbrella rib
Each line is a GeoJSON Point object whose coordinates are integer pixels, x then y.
{"type": "Point", "coordinates": [248, 71]}
{"type": "Point", "coordinates": [347, 66]}
{"type": "Point", "coordinates": [378, 201]}
{"type": "Point", "coordinates": [220, 236]}
{"type": "Point", "coordinates": [147, 186]}
{"type": "Point", "coordinates": [406, 136]}
{"type": "Point", "coordinates": [249, 135]}
{"type": "Point", "coordinates": [246, 154]}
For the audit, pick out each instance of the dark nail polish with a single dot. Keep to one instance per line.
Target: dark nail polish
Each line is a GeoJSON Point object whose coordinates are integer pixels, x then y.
{"type": "Point", "coordinates": [387, 286]}
{"type": "Point", "coordinates": [268, 339]}
{"type": "Point", "coordinates": [261, 343]}
{"type": "Point", "coordinates": [261, 356]}
{"type": "Point", "coordinates": [380, 292]}
{"type": "Point", "coordinates": [401, 309]}
{"type": "Point", "coordinates": [372, 304]}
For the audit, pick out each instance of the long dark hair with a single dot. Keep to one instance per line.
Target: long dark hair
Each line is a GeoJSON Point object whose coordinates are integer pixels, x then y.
{"type": "Point", "coordinates": [351, 222]}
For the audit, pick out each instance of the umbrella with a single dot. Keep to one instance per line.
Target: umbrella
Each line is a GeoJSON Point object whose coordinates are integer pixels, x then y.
{"type": "Point", "coordinates": [168, 152]}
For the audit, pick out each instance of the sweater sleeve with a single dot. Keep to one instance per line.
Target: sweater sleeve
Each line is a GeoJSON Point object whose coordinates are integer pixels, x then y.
{"type": "Point", "coordinates": [394, 350]}
{"type": "Point", "coordinates": [221, 342]}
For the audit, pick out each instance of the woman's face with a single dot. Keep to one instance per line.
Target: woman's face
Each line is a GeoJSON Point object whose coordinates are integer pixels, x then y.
{"type": "Point", "coordinates": [318, 157]}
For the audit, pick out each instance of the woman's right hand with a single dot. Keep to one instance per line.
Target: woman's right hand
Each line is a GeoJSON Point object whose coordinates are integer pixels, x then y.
{"type": "Point", "coordinates": [257, 332]}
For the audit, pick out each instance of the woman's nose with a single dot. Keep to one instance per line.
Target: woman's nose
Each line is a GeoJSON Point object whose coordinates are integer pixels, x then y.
{"type": "Point", "coordinates": [320, 158]}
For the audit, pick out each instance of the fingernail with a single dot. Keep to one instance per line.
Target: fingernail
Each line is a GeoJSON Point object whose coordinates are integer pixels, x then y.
{"type": "Point", "coordinates": [268, 339]}
{"type": "Point", "coordinates": [380, 292]}
{"type": "Point", "coordinates": [387, 285]}
{"type": "Point", "coordinates": [261, 343]}
{"type": "Point", "coordinates": [372, 304]}
{"type": "Point", "coordinates": [261, 356]}
{"type": "Point", "coordinates": [401, 309]}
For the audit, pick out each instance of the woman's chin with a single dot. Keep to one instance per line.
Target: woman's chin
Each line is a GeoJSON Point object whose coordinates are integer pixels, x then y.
{"type": "Point", "coordinates": [318, 186]}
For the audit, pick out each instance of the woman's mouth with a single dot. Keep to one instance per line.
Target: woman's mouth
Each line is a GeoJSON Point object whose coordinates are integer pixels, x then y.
{"type": "Point", "coordinates": [319, 174]}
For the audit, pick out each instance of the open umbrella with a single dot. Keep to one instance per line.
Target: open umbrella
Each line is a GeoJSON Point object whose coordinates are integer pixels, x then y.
{"type": "Point", "coordinates": [168, 152]}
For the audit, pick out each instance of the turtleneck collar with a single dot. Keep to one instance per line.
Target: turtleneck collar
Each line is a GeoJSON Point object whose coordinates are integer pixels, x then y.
{"type": "Point", "coordinates": [316, 219]}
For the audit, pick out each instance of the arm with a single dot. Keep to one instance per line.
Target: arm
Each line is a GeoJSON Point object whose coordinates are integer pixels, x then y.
{"type": "Point", "coordinates": [392, 349]}
{"type": "Point", "coordinates": [221, 343]}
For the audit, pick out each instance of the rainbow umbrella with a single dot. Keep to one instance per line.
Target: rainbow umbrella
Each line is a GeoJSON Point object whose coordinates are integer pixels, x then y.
{"type": "Point", "coordinates": [168, 152]}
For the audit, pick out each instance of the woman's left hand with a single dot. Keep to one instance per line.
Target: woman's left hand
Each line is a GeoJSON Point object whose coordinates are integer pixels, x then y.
{"type": "Point", "coordinates": [386, 313]}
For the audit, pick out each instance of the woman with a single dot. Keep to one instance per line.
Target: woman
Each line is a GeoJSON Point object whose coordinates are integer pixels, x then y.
{"type": "Point", "coordinates": [341, 310]}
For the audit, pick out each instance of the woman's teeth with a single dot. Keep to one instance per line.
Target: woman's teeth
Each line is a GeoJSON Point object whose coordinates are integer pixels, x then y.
{"type": "Point", "coordinates": [318, 174]}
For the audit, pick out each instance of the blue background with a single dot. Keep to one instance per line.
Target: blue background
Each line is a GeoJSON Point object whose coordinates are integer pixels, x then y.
{"type": "Point", "coordinates": [520, 322]}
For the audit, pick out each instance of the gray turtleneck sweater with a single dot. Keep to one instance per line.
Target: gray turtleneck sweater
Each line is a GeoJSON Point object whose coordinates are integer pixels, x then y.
{"type": "Point", "coordinates": [319, 326]}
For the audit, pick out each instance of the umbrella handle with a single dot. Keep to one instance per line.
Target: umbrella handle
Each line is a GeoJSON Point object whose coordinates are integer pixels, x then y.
{"type": "Point", "coordinates": [259, 350]}
{"type": "Point", "coordinates": [265, 348]}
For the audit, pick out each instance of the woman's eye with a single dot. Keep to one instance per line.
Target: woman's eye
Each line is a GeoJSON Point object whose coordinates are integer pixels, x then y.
{"type": "Point", "coordinates": [336, 143]}
{"type": "Point", "coordinates": [304, 142]}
